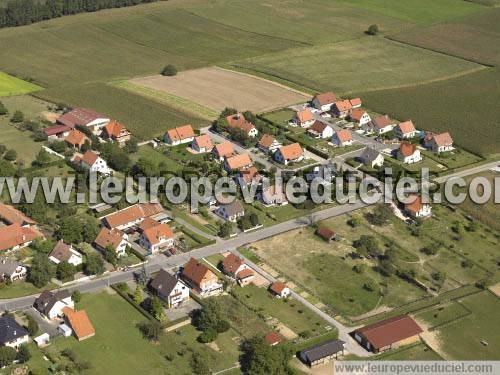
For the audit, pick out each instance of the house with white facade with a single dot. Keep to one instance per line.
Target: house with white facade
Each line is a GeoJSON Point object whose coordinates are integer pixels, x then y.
{"type": "Point", "coordinates": [405, 130]}
{"type": "Point", "coordinates": [157, 238]}
{"type": "Point", "coordinates": [360, 117]}
{"type": "Point", "coordinates": [292, 153]}
{"type": "Point", "coordinates": [12, 270]}
{"type": "Point", "coordinates": [113, 238]}
{"type": "Point", "coordinates": [342, 138]}
{"type": "Point", "coordinates": [202, 144]}
{"type": "Point", "coordinates": [380, 125]}
{"type": "Point", "coordinates": [131, 216]}
{"type": "Point", "coordinates": [408, 153]}
{"type": "Point", "coordinates": [272, 197]}
{"type": "Point", "coordinates": [438, 143]}
{"type": "Point", "coordinates": [12, 334]}
{"type": "Point", "coordinates": [179, 135]}
{"type": "Point", "coordinates": [304, 118]}
{"type": "Point", "coordinates": [418, 209]}
{"type": "Point", "coordinates": [238, 121]}
{"type": "Point", "coordinates": [199, 277]}
{"type": "Point", "coordinates": [371, 157]}
{"type": "Point", "coordinates": [169, 288]}
{"type": "Point", "coordinates": [93, 163]}
{"type": "Point", "coordinates": [342, 108]}
{"type": "Point", "coordinates": [65, 253]}
{"type": "Point", "coordinates": [268, 144]}
{"type": "Point", "coordinates": [236, 268]}
{"type": "Point", "coordinates": [51, 304]}
{"type": "Point", "coordinates": [231, 211]}
{"type": "Point", "coordinates": [320, 130]}
{"type": "Point", "coordinates": [84, 117]}
{"type": "Point", "coordinates": [324, 101]}
{"type": "Point", "coordinates": [280, 290]}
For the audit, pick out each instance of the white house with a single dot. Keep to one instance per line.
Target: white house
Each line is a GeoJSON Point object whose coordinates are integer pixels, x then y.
{"type": "Point", "coordinates": [202, 144]}
{"type": "Point", "coordinates": [372, 158]}
{"type": "Point", "coordinates": [15, 236]}
{"type": "Point", "coordinates": [409, 153]}
{"type": "Point", "coordinates": [94, 163]}
{"type": "Point", "coordinates": [130, 216]}
{"type": "Point", "coordinates": [238, 162]}
{"type": "Point", "coordinates": [438, 142]}
{"type": "Point", "coordinates": [238, 121]}
{"type": "Point", "coordinates": [180, 135]}
{"type": "Point", "coordinates": [342, 108]}
{"type": "Point", "coordinates": [170, 289]}
{"type": "Point", "coordinates": [157, 238]}
{"type": "Point", "coordinates": [84, 117]}
{"type": "Point", "coordinates": [270, 197]}
{"type": "Point", "coordinates": [342, 138]}
{"type": "Point", "coordinates": [304, 118]}
{"type": "Point", "coordinates": [236, 268]}
{"type": "Point", "coordinates": [11, 333]}
{"type": "Point", "coordinates": [320, 130]}
{"type": "Point", "coordinates": [268, 144]}
{"type": "Point", "coordinates": [51, 304]}
{"type": "Point", "coordinates": [289, 154]}
{"type": "Point", "coordinates": [405, 130]}
{"type": "Point", "coordinates": [418, 209]}
{"type": "Point", "coordinates": [12, 270]}
{"type": "Point", "coordinates": [231, 211]}
{"type": "Point", "coordinates": [360, 117]}
{"type": "Point", "coordinates": [65, 253]}
{"type": "Point", "coordinates": [114, 238]}
{"type": "Point", "coordinates": [223, 150]}
{"type": "Point", "coordinates": [380, 125]}
{"type": "Point", "coordinates": [280, 290]}
{"type": "Point", "coordinates": [324, 101]}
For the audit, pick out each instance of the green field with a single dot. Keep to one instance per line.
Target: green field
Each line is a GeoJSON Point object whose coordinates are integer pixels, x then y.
{"type": "Point", "coordinates": [10, 85]}
{"type": "Point", "coordinates": [418, 352]}
{"type": "Point", "coordinates": [374, 62]}
{"type": "Point", "coordinates": [443, 314]}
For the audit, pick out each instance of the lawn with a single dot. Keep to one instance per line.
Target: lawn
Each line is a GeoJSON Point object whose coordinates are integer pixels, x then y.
{"type": "Point", "coordinates": [358, 65]}
{"type": "Point", "coordinates": [453, 159]}
{"type": "Point", "coordinates": [418, 352]}
{"type": "Point", "coordinates": [21, 288]}
{"type": "Point", "coordinates": [157, 157]}
{"type": "Point", "coordinates": [441, 315]}
{"type": "Point", "coordinates": [10, 85]}
{"type": "Point", "coordinates": [118, 346]}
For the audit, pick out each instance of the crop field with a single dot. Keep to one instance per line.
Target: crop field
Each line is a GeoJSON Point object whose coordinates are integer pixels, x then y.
{"type": "Point", "coordinates": [375, 63]}
{"type": "Point", "coordinates": [10, 85]}
{"type": "Point", "coordinates": [219, 88]}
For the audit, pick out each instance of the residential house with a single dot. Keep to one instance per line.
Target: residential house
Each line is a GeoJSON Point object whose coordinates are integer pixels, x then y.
{"type": "Point", "coordinates": [380, 125]}
{"type": "Point", "coordinates": [12, 334]}
{"type": "Point", "coordinates": [201, 278]}
{"type": "Point", "coordinates": [292, 153]}
{"type": "Point", "coordinates": [272, 338]}
{"type": "Point", "coordinates": [304, 118]}
{"type": "Point", "coordinates": [270, 197]}
{"type": "Point", "coordinates": [324, 101]}
{"type": "Point", "coordinates": [180, 135]}
{"type": "Point", "coordinates": [76, 139]}
{"type": "Point", "coordinates": [11, 270]}
{"type": "Point", "coordinates": [372, 157]}
{"type": "Point", "coordinates": [130, 216]}
{"type": "Point", "coordinates": [320, 130]}
{"type": "Point", "coordinates": [79, 323]}
{"type": "Point", "coordinates": [114, 238]}
{"type": "Point", "coordinates": [387, 334]}
{"type": "Point", "coordinates": [268, 144]}
{"type": "Point", "coordinates": [93, 163]}
{"type": "Point", "coordinates": [51, 304]}
{"type": "Point", "coordinates": [342, 108]}
{"type": "Point", "coordinates": [116, 132]}
{"type": "Point", "coordinates": [342, 138]}
{"type": "Point", "coordinates": [247, 176]}
{"type": "Point", "coordinates": [438, 142]}
{"type": "Point", "coordinates": [321, 353]}
{"type": "Point", "coordinates": [326, 172]}
{"type": "Point", "coordinates": [15, 236]}
{"type": "Point", "coordinates": [327, 234]}
{"type": "Point", "coordinates": [56, 132]}
{"type": "Point", "coordinates": [405, 130]}
{"type": "Point", "coordinates": [237, 162]}
{"type": "Point", "coordinates": [238, 121]}
{"type": "Point", "coordinates": [157, 238]}
{"type": "Point", "coordinates": [65, 253]}
{"type": "Point", "coordinates": [236, 268]}
{"type": "Point", "coordinates": [231, 211]}
{"type": "Point", "coordinates": [360, 117]}
{"type": "Point", "coordinates": [84, 117]}
{"type": "Point", "coordinates": [418, 209]}
{"type": "Point", "coordinates": [408, 153]}
{"type": "Point", "coordinates": [223, 150]}
{"type": "Point", "coordinates": [355, 102]}
{"type": "Point", "coordinates": [170, 289]}
{"type": "Point", "coordinates": [279, 289]}
{"type": "Point", "coordinates": [11, 215]}
{"type": "Point", "coordinates": [202, 144]}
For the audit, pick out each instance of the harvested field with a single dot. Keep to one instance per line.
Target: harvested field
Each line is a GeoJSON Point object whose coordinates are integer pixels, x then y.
{"type": "Point", "coordinates": [218, 88]}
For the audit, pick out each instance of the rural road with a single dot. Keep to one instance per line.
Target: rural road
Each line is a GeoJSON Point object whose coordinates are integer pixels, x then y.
{"type": "Point", "coordinates": [468, 172]}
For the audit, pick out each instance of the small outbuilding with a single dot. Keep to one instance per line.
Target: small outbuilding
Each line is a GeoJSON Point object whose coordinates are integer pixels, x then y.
{"type": "Point", "coordinates": [65, 330]}
{"type": "Point", "coordinates": [322, 353]}
{"type": "Point", "coordinates": [327, 234]}
{"type": "Point", "coordinates": [42, 340]}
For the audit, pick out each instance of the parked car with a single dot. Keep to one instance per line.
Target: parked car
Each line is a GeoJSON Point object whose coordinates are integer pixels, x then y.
{"type": "Point", "coordinates": [326, 115]}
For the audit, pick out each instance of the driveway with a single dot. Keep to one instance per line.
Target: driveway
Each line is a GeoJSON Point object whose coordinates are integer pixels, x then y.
{"type": "Point", "coordinates": [45, 325]}
{"type": "Point", "coordinates": [182, 311]}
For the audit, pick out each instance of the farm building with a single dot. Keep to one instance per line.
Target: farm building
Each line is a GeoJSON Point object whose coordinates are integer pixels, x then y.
{"type": "Point", "coordinates": [322, 353]}
{"type": "Point", "coordinates": [327, 234]}
{"type": "Point", "coordinates": [84, 117]}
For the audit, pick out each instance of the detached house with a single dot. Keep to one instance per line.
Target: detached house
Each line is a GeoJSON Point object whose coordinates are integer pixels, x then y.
{"type": "Point", "coordinates": [270, 197]}
{"type": "Point", "coordinates": [170, 289]}
{"type": "Point", "coordinates": [116, 132]}
{"type": "Point", "coordinates": [130, 216]}
{"type": "Point", "coordinates": [84, 117]}
{"type": "Point", "coordinates": [51, 304]}
{"type": "Point", "coordinates": [372, 158]}
{"type": "Point", "coordinates": [202, 144]}
{"type": "Point", "coordinates": [360, 117]}
{"type": "Point", "coordinates": [342, 108]}
{"type": "Point", "coordinates": [320, 130]}
{"type": "Point", "coordinates": [438, 142]}
{"type": "Point", "coordinates": [380, 125]}
{"type": "Point", "coordinates": [342, 138]}
{"type": "Point", "coordinates": [304, 118]}
{"type": "Point", "coordinates": [279, 289]}
{"type": "Point", "coordinates": [418, 209]}
{"type": "Point", "coordinates": [324, 101]}
{"type": "Point", "coordinates": [11, 270]}
{"type": "Point", "coordinates": [409, 153]}
{"type": "Point", "coordinates": [238, 121]}
{"type": "Point", "coordinates": [157, 238]}
{"type": "Point", "coordinates": [355, 103]}
{"type": "Point", "coordinates": [247, 176]}
{"type": "Point", "coordinates": [14, 237]}
{"type": "Point", "coordinates": [11, 215]}
{"type": "Point", "coordinates": [93, 163]}
{"type": "Point", "coordinates": [114, 238]}
{"type": "Point", "coordinates": [12, 334]}
{"type": "Point", "coordinates": [201, 278]}
{"type": "Point", "coordinates": [231, 211]}
{"type": "Point", "coordinates": [405, 130]}
{"type": "Point", "coordinates": [180, 135]}
{"type": "Point", "coordinates": [289, 154]}
{"type": "Point", "coordinates": [223, 150]}
{"type": "Point", "coordinates": [76, 139]}
{"type": "Point", "coordinates": [65, 253]}
{"type": "Point", "coordinates": [238, 162]}
{"type": "Point", "coordinates": [268, 144]}
{"type": "Point", "coordinates": [236, 268]}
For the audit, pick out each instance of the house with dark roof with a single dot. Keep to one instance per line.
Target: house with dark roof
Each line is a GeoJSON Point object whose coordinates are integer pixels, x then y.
{"type": "Point", "coordinates": [65, 253]}
{"type": "Point", "coordinates": [170, 289]}
{"type": "Point", "coordinates": [388, 333]}
{"type": "Point", "coordinates": [84, 117]}
{"type": "Point", "coordinates": [322, 353]}
{"type": "Point", "coordinates": [371, 157]}
{"type": "Point", "coordinates": [56, 132]}
{"type": "Point", "coordinates": [51, 304]}
{"type": "Point", "coordinates": [231, 211]}
{"type": "Point", "coordinates": [320, 130]}
{"type": "Point", "coordinates": [12, 334]}
{"type": "Point", "coordinates": [12, 270]}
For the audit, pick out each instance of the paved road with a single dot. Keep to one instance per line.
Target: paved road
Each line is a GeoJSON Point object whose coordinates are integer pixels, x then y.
{"type": "Point", "coordinates": [468, 172]}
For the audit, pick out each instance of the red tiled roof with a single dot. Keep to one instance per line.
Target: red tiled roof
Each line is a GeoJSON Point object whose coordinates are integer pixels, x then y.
{"type": "Point", "coordinates": [344, 135]}
{"type": "Point", "coordinates": [355, 102]}
{"type": "Point", "coordinates": [305, 115]}
{"type": "Point", "coordinates": [133, 213]}
{"type": "Point", "coordinates": [114, 129]}
{"type": "Point", "coordinates": [79, 116]}
{"type": "Point", "coordinates": [158, 232]}
{"type": "Point", "coordinates": [76, 138]}
{"type": "Point", "coordinates": [231, 263]}
{"type": "Point", "coordinates": [343, 105]}
{"type": "Point", "coordinates": [325, 233]}
{"type": "Point", "coordinates": [238, 121]}
{"type": "Point", "coordinates": [243, 274]}
{"type": "Point", "coordinates": [197, 272]}
{"type": "Point", "coordinates": [109, 237]}
{"type": "Point", "coordinates": [58, 129]}
{"type": "Point", "coordinates": [278, 287]}
{"type": "Point", "coordinates": [224, 149]}
{"type": "Point", "coordinates": [407, 127]}
{"type": "Point", "coordinates": [12, 215]}
{"type": "Point", "coordinates": [204, 141]}
{"type": "Point", "coordinates": [181, 133]}
{"type": "Point", "coordinates": [89, 158]}
{"type": "Point", "coordinates": [390, 331]}
{"type": "Point", "coordinates": [239, 161]}
{"type": "Point", "coordinates": [79, 322]}
{"type": "Point", "coordinates": [292, 151]}
{"type": "Point", "coordinates": [267, 140]}
{"type": "Point", "coordinates": [15, 235]}
{"type": "Point", "coordinates": [407, 149]}
{"type": "Point", "coordinates": [272, 338]}
{"type": "Point", "coordinates": [318, 127]}
{"type": "Point", "coordinates": [381, 122]}
{"type": "Point", "coordinates": [416, 206]}
{"type": "Point", "coordinates": [250, 174]}
{"type": "Point", "coordinates": [356, 114]}
{"type": "Point", "coordinates": [443, 139]}
{"type": "Point", "coordinates": [325, 98]}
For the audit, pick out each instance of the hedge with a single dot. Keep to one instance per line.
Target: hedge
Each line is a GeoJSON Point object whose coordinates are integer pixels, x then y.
{"type": "Point", "coordinates": [132, 302]}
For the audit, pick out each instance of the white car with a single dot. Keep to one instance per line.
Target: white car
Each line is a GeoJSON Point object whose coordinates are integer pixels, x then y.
{"type": "Point", "coordinates": [315, 110]}
{"type": "Point", "coordinates": [326, 115]}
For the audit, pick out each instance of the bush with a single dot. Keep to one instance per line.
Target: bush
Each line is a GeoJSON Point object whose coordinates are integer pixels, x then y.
{"type": "Point", "coordinates": [17, 117]}
{"type": "Point", "coordinates": [207, 336]}
{"type": "Point", "coordinates": [222, 326]}
{"type": "Point", "coordinates": [151, 330]}
{"type": "Point", "coordinates": [373, 30]}
{"type": "Point", "coordinates": [169, 70]}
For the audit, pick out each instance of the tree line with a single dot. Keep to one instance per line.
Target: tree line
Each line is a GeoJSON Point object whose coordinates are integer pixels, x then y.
{"type": "Point", "coordinates": [25, 12]}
